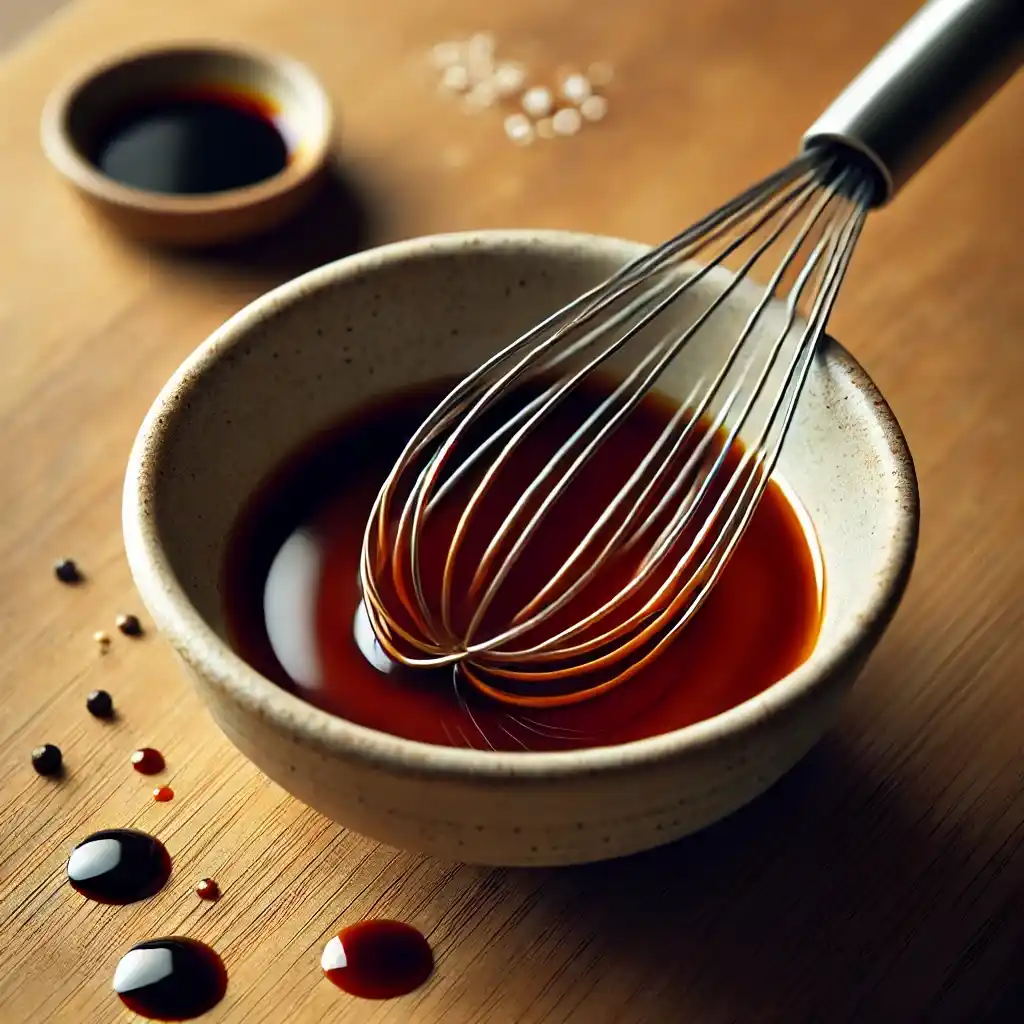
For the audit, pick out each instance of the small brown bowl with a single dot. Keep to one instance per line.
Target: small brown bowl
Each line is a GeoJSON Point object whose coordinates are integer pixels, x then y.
{"type": "Point", "coordinates": [79, 108]}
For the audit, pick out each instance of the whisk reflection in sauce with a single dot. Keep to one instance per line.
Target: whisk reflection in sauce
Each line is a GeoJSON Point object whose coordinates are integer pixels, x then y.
{"type": "Point", "coordinates": [295, 615]}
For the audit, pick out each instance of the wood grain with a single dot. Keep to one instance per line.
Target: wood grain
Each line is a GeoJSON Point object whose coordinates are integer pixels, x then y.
{"type": "Point", "coordinates": [882, 880]}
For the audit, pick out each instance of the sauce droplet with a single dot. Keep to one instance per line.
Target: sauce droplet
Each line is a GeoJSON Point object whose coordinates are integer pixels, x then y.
{"type": "Point", "coordinates": [129, 625]}
{"type": "Point", "coordinates": [162, 794]}
{"type": "Point", "coordinates": [378, 959]}
{"type": "Point", "coordinates": [170, 979]}
{"type": "Point", "coordinates": [100, 704]}
{"type": "Point", "coordinates": [48, 760]}
{"type": "Point", "coordinates": [148, 761]}
{"type": "Point", "coordinates": [119, 865]}
{"type": "Point", "coordinates": [67, 571]}
{"type": "Point", "coordinates": [208, 889]}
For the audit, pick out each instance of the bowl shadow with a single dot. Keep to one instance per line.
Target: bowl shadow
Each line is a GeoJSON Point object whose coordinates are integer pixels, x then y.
{"type": "Point", "coordinates": [344, 217]}
{"type": "Point", "coordinates": [831, 898]}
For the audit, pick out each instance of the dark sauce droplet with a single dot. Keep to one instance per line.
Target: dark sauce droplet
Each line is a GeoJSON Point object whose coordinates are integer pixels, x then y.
{"type": "Point", "coordinates": [147, 761]}
{"type": "Point", "coordinates": [170, 979]}
{"type": "Point", "coordinates": [208, 889]}
{"type": "Point", "coordinates": [192, 144]}
{"type": "Point", "coordinates": [100, 704]}
{"type": "Point", "coordinates": [48, 760]}
{"type": "Point", "coordinates": [378, 959]}
{"type": "Point", "coordinates": [119, 865]}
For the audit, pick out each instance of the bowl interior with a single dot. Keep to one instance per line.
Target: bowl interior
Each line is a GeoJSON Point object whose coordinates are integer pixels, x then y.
{"type": "Point", "coordinates": [298, 359]}
{"type": "Point", "coordinates": [288, 92]}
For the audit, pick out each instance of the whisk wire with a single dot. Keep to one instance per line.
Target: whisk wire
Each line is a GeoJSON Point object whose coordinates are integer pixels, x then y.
{"type": "Point", "coordinates": [823, 204]}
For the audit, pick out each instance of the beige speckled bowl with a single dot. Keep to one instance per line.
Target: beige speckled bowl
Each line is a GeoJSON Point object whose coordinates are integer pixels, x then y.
{"type": "Point", "coordinates": [79, 108]}
{"type": "Point", "coordinates": [299, 357]}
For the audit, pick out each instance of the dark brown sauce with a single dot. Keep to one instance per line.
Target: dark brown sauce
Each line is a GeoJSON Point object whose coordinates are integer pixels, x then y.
{"type": "Point", "coordinates": [192, 143]}
{"type": "Point", "coordinates": [759, 623]}
{"type": "Point", "coordinates": [119, 865]}
{"type": "Point", "coordinates": [170, 979]}
{"type": "Point", "coordinates": [147, 761]}
{"type": "Point", "coordinates": [208, 889]}
{"type": "Point", "coordinates": [378, 959]}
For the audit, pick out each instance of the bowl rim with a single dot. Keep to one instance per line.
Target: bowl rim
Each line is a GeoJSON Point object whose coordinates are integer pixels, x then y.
{"type": "Point", "coordinates": [64, 153]}
{"type": "Point", "coordinates": [214, 660]}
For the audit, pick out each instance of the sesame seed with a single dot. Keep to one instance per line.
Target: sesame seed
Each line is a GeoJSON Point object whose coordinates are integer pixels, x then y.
{"type": "Point", "coordinates": [455, 78]}
{"type": "Point", "coordinates": [482, 95]}
{"type": "Point", "coordinates": [538, 101]}
{"type": "Point", "coordinates": [594, 108]}
{"type": "Point", "coordinates": [519, 129]}
{"type": "Point", "coordinates": [509, 78]}
{"type": "Point", "coordinates": [567, 121]}
{"type": "Point", "coordinates": [480, 57]}
{"type": "Point", "coordinates": [481, 43]}
{"type": "Point", "coordinates": [444, 55]}
{"type": "Point", "coordinates": [576, 88]}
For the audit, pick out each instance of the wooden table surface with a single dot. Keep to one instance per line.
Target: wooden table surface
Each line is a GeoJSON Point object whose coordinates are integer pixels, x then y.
{"type": "Point", "coordinates": [883, 880]}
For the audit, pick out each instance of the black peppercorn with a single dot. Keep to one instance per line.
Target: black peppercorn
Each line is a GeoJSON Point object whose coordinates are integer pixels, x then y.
{"type": "Point", "coordinates": [129, 625]}
{"type": "Point", "coordinates": [47, 759]}
{"type": "Point", "coordinates": [67, 571]}
{"type": "Point", "coordinates": [100, 704]}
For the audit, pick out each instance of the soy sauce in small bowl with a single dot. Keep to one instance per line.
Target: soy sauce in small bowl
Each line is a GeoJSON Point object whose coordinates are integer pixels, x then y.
{"type": "Point", "coordinates": [193, 142]}
{"type": "Point", "coordinates": [191, 146]}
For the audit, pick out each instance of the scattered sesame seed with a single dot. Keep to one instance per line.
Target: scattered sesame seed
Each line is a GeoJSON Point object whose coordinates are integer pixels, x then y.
{"type": "Point", "coordinates": [600, 73]}
{"type": "Point", "coordinates": [481, 43]}
{"type": "Point", "coordinates": [567, 121]}
{"type": "Point", "coordinates": [509, 78]}
{"type": "Point", "coordinates": [480, 57]}
{"type": "Point", "coordinates": [538, 101]}
{"type": "Point", "coordinates": [455, 78]}
{"type": "Point", "coordinates": [594, 108]}
{"type": "Point", "coordinates": [444, 55]}
{"type": "Point", "coordinates": [519, 129]}
{"type": "Point", "coordinates": [482, 95]}
{"type": "Point", "coordinates": [576, 88]}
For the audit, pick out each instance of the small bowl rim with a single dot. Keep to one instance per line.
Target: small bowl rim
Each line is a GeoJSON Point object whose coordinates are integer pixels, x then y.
{"type": "Point", "coordinates": [67, 158]}
{"type": "Point", "coordinates": [213, 658]}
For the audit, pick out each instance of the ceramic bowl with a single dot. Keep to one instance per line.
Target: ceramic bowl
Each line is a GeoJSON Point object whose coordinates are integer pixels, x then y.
{"type": "Point", "coordinates": [78, 109]}
{"type": "Point", "coordinates": [301, 356]}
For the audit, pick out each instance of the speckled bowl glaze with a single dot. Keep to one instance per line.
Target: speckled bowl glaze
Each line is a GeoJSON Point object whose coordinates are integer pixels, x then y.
{"type": "Point", "coordinates": [297, 359]}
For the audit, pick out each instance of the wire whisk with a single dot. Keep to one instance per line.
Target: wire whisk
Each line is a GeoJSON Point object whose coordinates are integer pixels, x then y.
{"type": "Point", "coordinates": [686, 504]}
